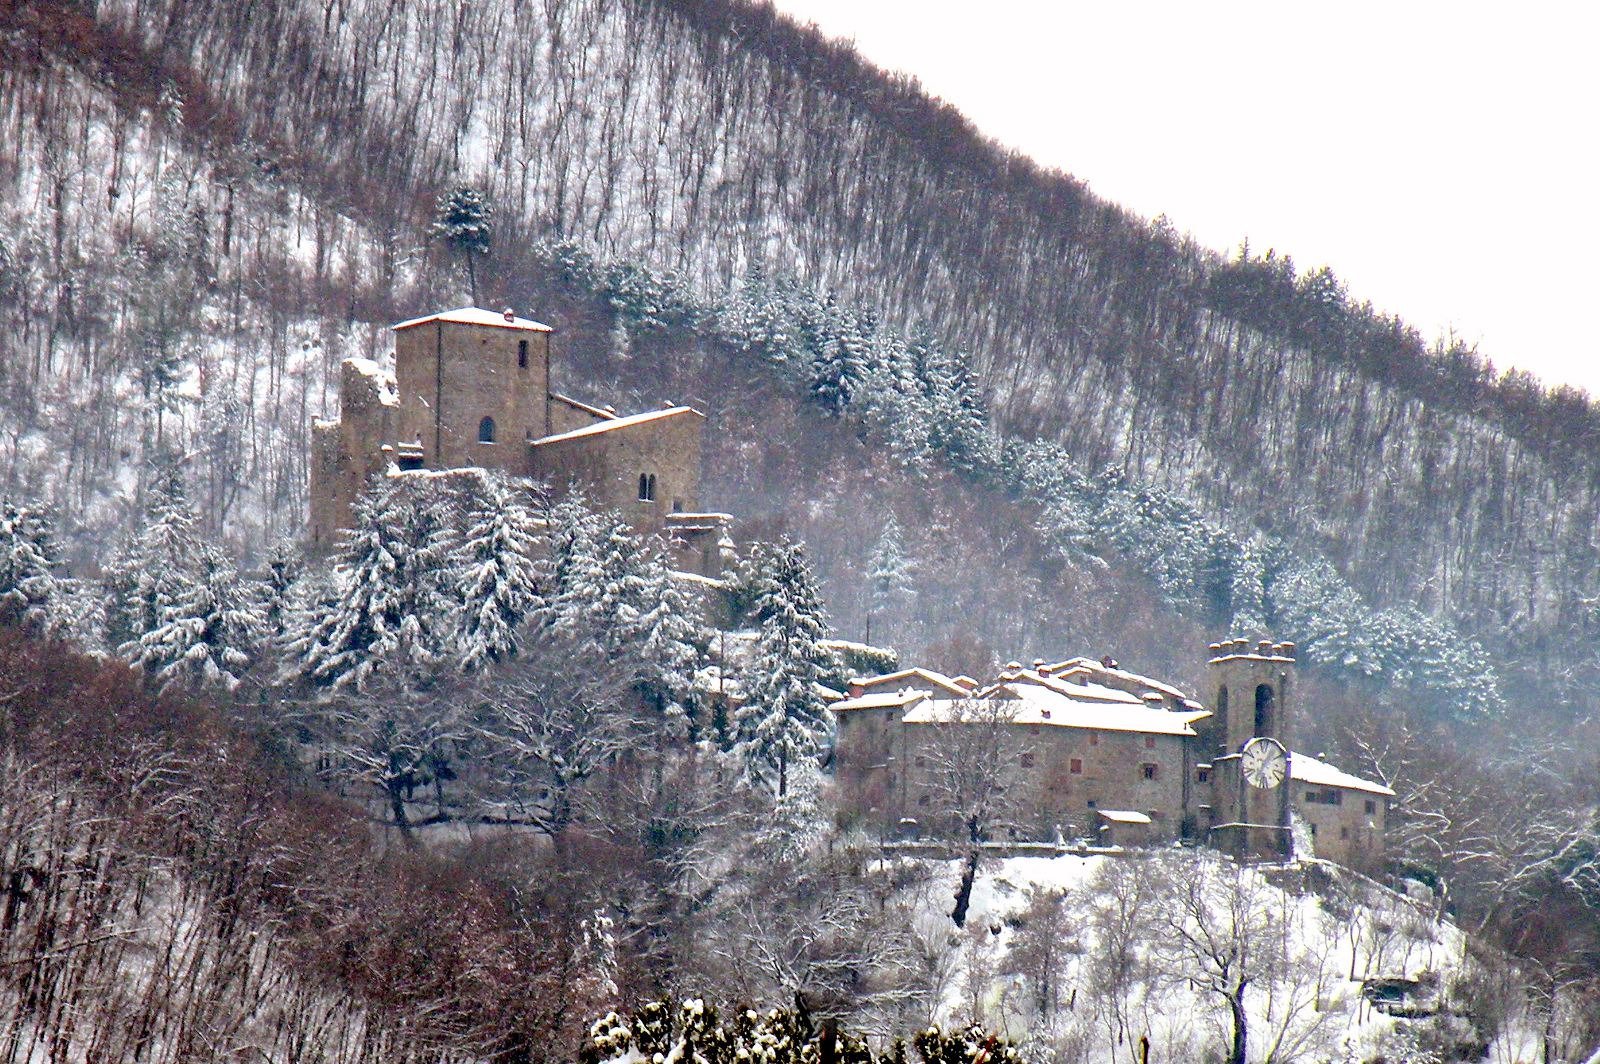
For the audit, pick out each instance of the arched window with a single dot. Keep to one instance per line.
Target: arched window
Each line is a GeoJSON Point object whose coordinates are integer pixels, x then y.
{"type": "Point", "coordinates": [647, 487]}
{"type": "Point", "coordinates": [1266, 710]}
{"type": "Point", "coordinates": [486, 430]}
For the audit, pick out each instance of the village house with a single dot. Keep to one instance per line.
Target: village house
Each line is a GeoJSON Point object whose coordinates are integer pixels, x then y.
{"type": "Point", "coordinates": [1095, 753]}
{"type": "Point", "coordinates": [471, 388]}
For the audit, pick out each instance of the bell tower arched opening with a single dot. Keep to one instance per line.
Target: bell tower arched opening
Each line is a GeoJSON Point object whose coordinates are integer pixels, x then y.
{"type": "Point", "coordinates": [1266, 710]}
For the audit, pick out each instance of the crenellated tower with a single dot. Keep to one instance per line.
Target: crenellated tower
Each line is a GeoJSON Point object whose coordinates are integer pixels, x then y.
{"type": "Point", "coordinates": [1248, 742]}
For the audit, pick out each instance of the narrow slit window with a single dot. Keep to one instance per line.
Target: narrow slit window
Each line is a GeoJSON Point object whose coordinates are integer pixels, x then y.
{"type": "Point", "coordinates": [522, 354]}
{"type": "Point", "coordinates": [486, 430]}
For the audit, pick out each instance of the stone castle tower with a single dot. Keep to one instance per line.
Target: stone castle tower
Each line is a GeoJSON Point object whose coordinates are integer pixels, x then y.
{"type": "Point", "coordinates": [1252, 722]}
{"type": "Point", "coordinates": [472, 388]}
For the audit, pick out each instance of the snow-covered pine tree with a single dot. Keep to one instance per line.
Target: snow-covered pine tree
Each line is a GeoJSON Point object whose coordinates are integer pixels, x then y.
{"type": "Point", "coordinates": [888, 575]}
{"type": "Point", "coordinates": [284, 566]}
{"type": "Point", "coordinates": [389, 610]}
{"type": "Point", "coordinates": [596, 574]}
{"type": "Point", "coordinates": [462, 221]}
{"type": "Point", "coordinates": [209, 635]}
{"type": "Point", "coordinates": [784, 718]}
{"type": "Point", "coordinates": [495, 573]}
{"type": "Point", "coordinates": [669, 638]}
{"type": "Point", "coordinates": [1248, 594]}
{"type": "Point", "coordinates": [28, 561]}
{"type": "Point", "coordinates": [156, 569]}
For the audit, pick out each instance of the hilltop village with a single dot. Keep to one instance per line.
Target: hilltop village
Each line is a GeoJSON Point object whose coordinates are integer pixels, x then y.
{"type": "Point", "coordinates": [1088, 752]}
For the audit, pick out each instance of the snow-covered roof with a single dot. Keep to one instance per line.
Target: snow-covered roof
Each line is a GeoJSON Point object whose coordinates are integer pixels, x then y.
{"type": "Point", "coordinates": [1303, 768]}
{"type": "Point", "coordinates": [1032, 704]}
{"type": "Point", "coordinates": [618, 423]}
{"type": "Point", "coordinates": [1091, 667]}
{"type": "Point", "coordinates": [1082, 692]}
{"type": "Point", "coordinates": [965, 682]}
{"type": "Point", "coordinates": [882, 700]}
{"type": "Point", "coordinates": [937, 680]}
{"type": "Point", "coordinates": [477, 316]}
{"type": "Point", "coordinates": [1124, 816]}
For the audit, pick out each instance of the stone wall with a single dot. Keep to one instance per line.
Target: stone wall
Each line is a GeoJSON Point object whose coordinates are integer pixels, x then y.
{"type": "Point", "coordinates": [1349, 828]}
{"type": "Point", "coordinates": [608, 464]}
{"type": "Point", "coordinates": [346, 453]}
{"type": "Point", "coordinates": [452, 375]}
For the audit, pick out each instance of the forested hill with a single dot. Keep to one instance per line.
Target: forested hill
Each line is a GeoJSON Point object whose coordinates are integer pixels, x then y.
{"type": "Point", "coordinates": [275, 165]}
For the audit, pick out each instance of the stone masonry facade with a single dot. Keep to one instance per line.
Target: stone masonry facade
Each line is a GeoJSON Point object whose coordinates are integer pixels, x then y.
{"type": "Point", "coordinates": [1090, 752]}
{"type": "Point", "coordinates": [471, 389]}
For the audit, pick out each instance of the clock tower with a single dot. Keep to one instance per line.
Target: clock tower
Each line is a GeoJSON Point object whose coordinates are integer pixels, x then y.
{"type": "Point", "coordinates": [1246, 743]}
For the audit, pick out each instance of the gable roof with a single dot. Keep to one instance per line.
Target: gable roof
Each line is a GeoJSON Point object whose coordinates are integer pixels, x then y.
{"type": "Point", "coordinates": [1032, 704]}
{"type": "Point", "coordinates": [928, 677]}
{"type": "Point", "coordinates": [476, 316]}
{"type": "Point", "coordinates": [631, 421]}
{"type": "Point", "coordinates": [880, 700]}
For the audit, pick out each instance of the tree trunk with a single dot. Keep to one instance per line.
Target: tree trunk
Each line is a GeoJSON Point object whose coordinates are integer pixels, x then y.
{"type": "Point", "coordinates": [472, 278]}
{"type": "Point", "coordinates": [964, 893]}
{"type": "Point", "coordinates": [1240, 1033]}
{"type": "Point", "coordinates": [397, 805]}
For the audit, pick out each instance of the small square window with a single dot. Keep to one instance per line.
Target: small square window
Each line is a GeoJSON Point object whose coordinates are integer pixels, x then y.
{"type": "Point", "coordinates": [1372, 807]}
{"type": "Point", "coordinates": [1075, 766]}
{"type": "Point", "coordinates": [1202, 775]}
{"type": "Point", "coordinates": [922, 762]}
{"type": "Point", "coordinates": [1148, 769]}
{"type": "Point", "coordinates": [1344, 833]}
{"type": "Point", "coordinates": [1027, 760]}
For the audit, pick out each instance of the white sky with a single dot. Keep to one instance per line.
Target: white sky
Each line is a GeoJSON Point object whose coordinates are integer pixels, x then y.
{"type": "Point", "coordinates": [1441, 158]}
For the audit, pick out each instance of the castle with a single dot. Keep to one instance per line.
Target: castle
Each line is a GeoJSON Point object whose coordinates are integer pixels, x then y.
{"type": "Point", "coordinates": [1094, 752]}
{"type": "Point", "coordinates": [1084, 748]}
{"type": "Point", "coordinates": [472, 388]}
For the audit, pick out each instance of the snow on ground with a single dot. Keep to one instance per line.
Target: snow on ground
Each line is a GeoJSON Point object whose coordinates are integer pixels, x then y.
{"type": "Point", "coordinates": [1311, 934]}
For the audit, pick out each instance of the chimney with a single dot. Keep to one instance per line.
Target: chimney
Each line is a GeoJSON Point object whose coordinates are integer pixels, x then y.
{"type": "Point", "coordinates": [510, 314]}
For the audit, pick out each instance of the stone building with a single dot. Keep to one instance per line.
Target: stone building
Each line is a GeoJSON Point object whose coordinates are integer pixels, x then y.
{"type": "Point", "coordinates": [1092, 752]}
{"type": "Point", "coordinates": [472, 388]}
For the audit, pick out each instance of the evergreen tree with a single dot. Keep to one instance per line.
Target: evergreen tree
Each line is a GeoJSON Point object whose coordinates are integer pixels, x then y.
{"type": "Point", "coordinates": [28, 560]}
{"type": "Point", "coordinates": [157, 569]}
{"type": "Point", "coordinates": [463, 223]}
{"type": "Point", "coordinates": [597, 574]}
{"type": "Point", "coordinates": [784, 718]}
{"type": "Point", "coordinates": [888, 574]}
{"type": "Point", "coordinates": [209, 634]}
{"type": "Point", "coordinates": [669, 638]}
{"type": "Point", "coordinates": [496, 574]}
{"type": "Point", "coordinates": [284, 567]}
{"type": "Point", "coordinates": [388, 608]}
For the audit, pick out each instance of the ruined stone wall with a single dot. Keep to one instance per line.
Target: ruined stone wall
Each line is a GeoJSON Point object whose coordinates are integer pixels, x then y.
{"type": "Point", "coordinates": [451, 375]}
{"type": "Point", "coordinates": [346, 453]}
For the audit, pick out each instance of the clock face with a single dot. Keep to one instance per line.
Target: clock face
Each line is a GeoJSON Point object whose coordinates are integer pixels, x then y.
{"type": "Point", "coordinates": [1263, 763]}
